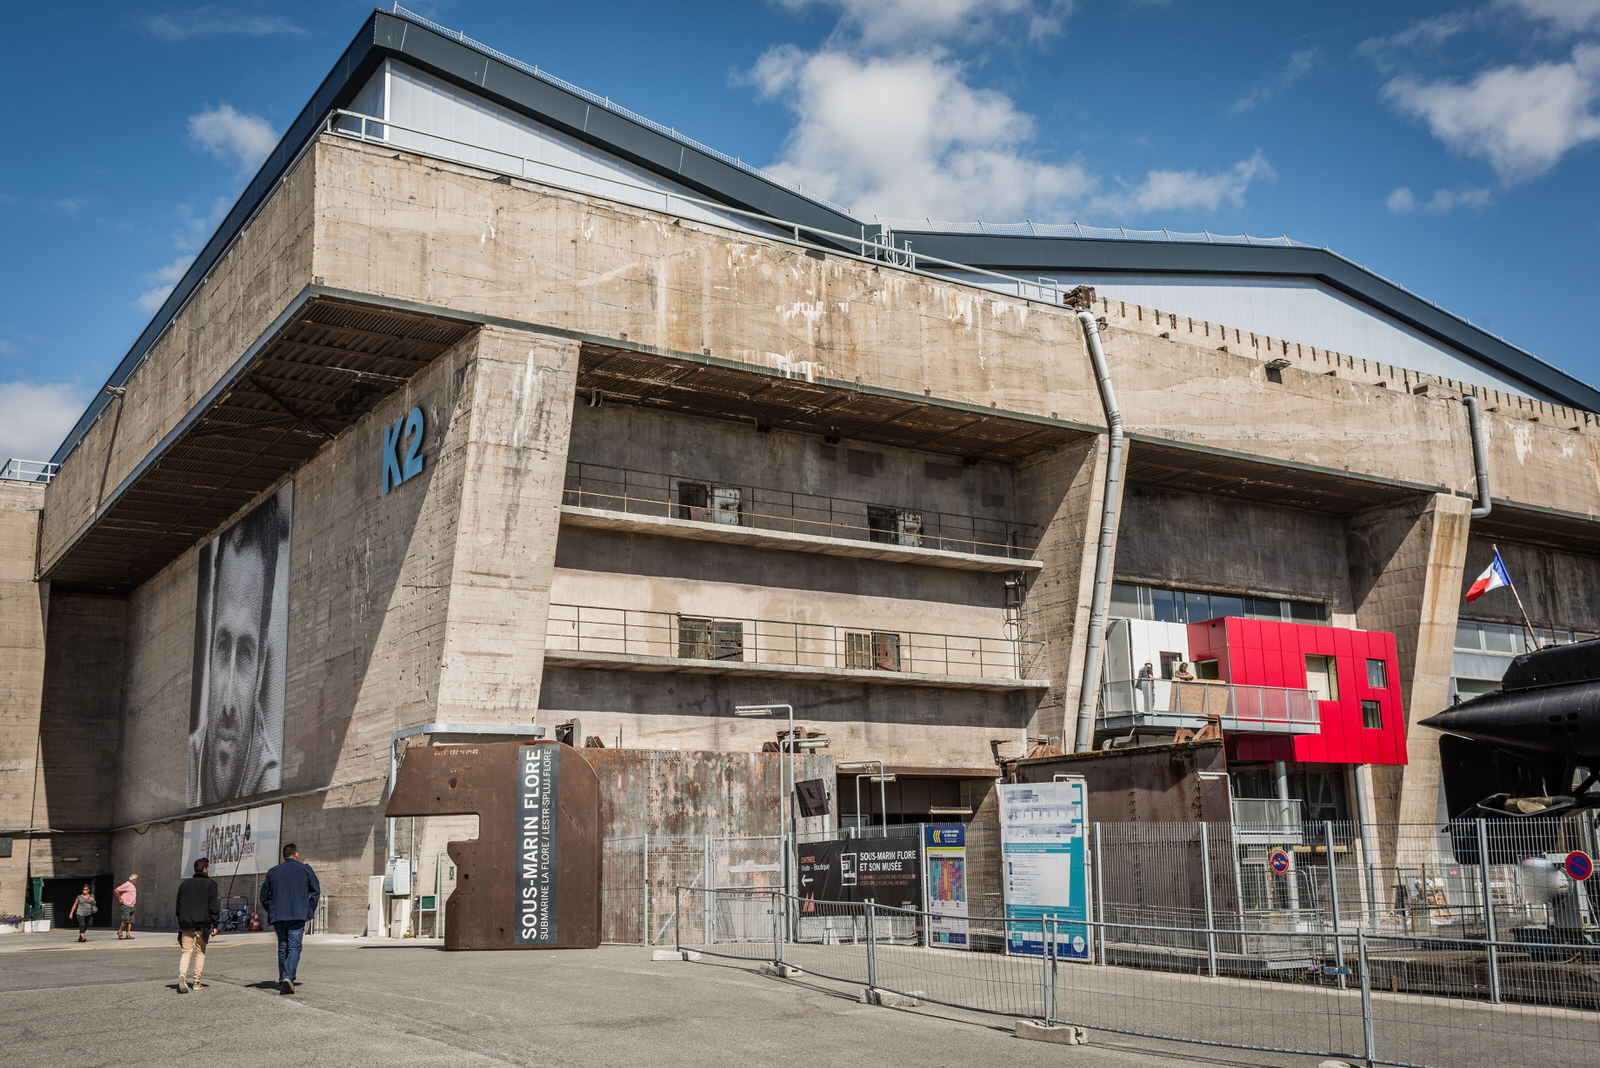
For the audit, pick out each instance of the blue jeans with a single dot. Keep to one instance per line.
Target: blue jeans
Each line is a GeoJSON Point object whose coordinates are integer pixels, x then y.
{"type": "Point", "coordinates": [290, 932]}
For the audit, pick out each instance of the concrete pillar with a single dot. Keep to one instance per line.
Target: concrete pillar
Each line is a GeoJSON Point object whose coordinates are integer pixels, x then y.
{"type": "Point", "coordinates": [1062, 495]}
{"type": "Point", "coordinates": [1405, 577]}
{"type": "Point", "coordinates": [521, 421]}
{"type": "Point", "coordinates": [23, 604]}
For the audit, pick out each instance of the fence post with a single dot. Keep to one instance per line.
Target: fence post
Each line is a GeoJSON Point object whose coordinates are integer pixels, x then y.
{"type": "Point", "coordinates": [644, 933]}
{"type": "Point", "coordinates": [777, 927]}
{"type": "Point", "coordinates": [1099, 896]}
{"type": "Point", "coordinates": [1489, 934]}
{"type": "Point", "coordinates": [1205, 876]}
{"type": "Point", "coordinates": [1369, 1050]}
{"type": "Point", "coordinates": [872, 946]}
{"type": "Point", "coordinates": [1050, 989]}
{"type": "Point", "coordinates": [1333, 898]}
{"type": "Point", "coordinates": [677, 927]}
{"type": "Point", "coordinates": [708, 879]}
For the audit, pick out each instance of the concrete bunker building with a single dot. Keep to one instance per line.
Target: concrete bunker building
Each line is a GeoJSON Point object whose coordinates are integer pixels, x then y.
{"type": "Point", "coordinates": [491, 402]}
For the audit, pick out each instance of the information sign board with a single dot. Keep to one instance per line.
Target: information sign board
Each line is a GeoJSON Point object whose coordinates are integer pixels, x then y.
{"type": "Point", "coordinates": [946, 847]}
{"type": "Point", "coordinates": [1044, 855]}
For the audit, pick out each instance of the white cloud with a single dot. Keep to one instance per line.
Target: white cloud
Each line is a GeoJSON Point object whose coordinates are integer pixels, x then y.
{"type": "Point", "coordinates": [907, 136]}
{"type": "Point", "coordinates": [163, 281]}
{"type": "Point", "coordinates": [1402, 201]}
{"type": "Point", "coordinates": [1573, 16]}
{"type": "Point", "coordinates": [912, 22]}
{"type": "Point", "coordinates": [1522, 120]}
{"type": "Point", "coordinates": [230, 134]}
{"type": "Point", "coordinates": [1297, 66]}
{"type": "Point", "coordinates": [35, 417]}
{"type": "Point", "coordinates": [214, 20]}
{"type": "Point", "coordinates": [1191, 190]}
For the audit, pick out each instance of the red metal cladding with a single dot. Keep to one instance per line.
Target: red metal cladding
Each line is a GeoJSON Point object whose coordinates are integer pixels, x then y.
{"type": "Point", "coordinates": [1254, 652]}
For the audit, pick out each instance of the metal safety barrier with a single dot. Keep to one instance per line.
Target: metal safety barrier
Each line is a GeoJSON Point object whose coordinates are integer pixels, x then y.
{"type": "Point", "coordinates": [1410, 1001]}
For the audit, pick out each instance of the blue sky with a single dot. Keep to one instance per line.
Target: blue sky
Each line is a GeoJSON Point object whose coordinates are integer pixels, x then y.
{"type": "Point", "coordinates": [1449, 147]}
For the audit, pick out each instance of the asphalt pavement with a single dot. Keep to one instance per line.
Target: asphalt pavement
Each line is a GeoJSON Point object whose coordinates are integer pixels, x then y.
{"type": "Point", "coordinates": [382, 1003]}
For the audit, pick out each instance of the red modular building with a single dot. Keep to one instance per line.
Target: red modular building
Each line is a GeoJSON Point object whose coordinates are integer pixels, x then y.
{"type": "Point", "coordinates": [1354, 674]}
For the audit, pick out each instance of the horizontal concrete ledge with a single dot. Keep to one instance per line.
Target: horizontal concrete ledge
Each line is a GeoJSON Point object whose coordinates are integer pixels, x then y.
{"type": "Point", "coordinates": [675, 665]}
{"type": "Point", "coordinates": [790, 541]}
{"type": "Point", "coordinates": [782, 971]}
{"type": "Point", "coordinates": [871, 995]}
{"type": "Point", "coordinates": [1063, 1034]}
{"type": "Point", "coordinates": [674, 954]}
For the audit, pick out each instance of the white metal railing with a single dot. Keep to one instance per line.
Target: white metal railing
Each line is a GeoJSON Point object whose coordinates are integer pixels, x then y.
{"type": "Point", "coordinates": [1263, 814]}
{"type": "Point", "coordinates": [1029, 228]}
{"type": "Point", "coordinates": [1171, 703]}
{"type": "Point", "coordinates": [29, 470]}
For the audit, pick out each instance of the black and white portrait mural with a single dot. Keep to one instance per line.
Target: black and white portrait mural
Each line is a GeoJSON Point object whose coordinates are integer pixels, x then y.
{"type": "Point", "coordinates": [241, 627]}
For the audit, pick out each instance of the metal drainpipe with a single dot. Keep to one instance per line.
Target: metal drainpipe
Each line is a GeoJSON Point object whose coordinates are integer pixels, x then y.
{"type": "Point", "coordinates": [1480, 463]}
{"type": "Point", "coordinates": [1089, 694]}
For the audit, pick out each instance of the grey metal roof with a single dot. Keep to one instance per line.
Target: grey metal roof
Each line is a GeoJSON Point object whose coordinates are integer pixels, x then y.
{"type": "Point", "coordinates": [721, 178]}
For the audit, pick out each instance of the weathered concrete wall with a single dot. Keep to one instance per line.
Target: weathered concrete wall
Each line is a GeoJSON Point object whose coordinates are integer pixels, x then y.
{"type": "Point", "coordinates": [907, 727]}
{"type": "Point", "coordinates": [1559, 589]}
{"type": "Point", "coordinates": [1405, 567]}
{"type": "Point", "coordinates": [246, 290]}
{"type": "Point", "coordinates": [842, 478]}
{"type": "Point", "coordinates": [1063, 496]}
{"type": "Point", "coordinates": [516, 452]}
{"type": "Point", "coordinates": [1170, 538]}
{"type": "Point", "coordinates": [24, 604]}
{"type": "Point", "coordinates": [79, 732]}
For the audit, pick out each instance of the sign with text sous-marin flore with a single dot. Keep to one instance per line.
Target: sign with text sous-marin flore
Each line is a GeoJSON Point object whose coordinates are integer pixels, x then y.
{"type": "Point", "coordinates": [536, 840]}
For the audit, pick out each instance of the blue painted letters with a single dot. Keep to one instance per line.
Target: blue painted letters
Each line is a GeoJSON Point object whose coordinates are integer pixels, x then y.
{"type": "Point", "coordinates": [397, 465]}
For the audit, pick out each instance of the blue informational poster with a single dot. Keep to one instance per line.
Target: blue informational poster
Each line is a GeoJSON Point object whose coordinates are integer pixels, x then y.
{"type": "Point", "coordinates": [1045, 865]}
{"type": "Point", "coordinates": [946, 849]}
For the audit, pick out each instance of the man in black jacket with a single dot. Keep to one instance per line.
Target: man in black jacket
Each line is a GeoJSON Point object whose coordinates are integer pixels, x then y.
{"type": "Point", "coordinates": [289, 893]}
{"type": "Point", "coordinates": [199, 912]}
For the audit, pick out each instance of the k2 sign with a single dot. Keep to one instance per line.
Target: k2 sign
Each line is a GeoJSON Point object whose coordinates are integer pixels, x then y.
{"type": "Point", "coordinates": [402, 449]}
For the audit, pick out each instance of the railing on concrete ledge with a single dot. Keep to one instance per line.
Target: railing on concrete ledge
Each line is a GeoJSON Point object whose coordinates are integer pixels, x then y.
{"type": "Point", "coordinates": [656, 493]}
{"type": "Point", "coordinates": [1166, 704]}
{"type": "Point", "coordinates": [707, 641]}
{"type": "Point", "coordinates": [29, 470]}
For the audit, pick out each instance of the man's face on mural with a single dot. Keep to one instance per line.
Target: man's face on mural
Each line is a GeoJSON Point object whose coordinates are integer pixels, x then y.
{"type": "Point", "coordinates": [235, 660]}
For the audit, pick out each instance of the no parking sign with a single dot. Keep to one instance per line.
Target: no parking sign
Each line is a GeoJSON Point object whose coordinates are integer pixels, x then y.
{"type": "Point", "coordinates": [1578, 865]}
{"type": "Point", "coordinates": [1279, 862]}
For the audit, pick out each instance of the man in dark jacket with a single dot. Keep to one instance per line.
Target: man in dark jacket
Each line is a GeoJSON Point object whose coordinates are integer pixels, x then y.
{"type": "Point", "coordinates": [199, 911]}
{"type": "Point", "coordinates": [289, 894]}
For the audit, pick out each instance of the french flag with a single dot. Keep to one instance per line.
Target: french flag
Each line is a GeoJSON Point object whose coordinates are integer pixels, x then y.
{"type": "Point", "coordinates": [1492, 579]}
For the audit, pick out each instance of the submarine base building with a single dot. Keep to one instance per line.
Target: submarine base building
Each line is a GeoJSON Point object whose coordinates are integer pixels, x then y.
{"type": "Point", "coordinates": [492, 404]}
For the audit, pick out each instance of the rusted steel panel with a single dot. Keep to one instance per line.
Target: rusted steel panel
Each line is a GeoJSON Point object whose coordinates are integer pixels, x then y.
{"type": "Point", "coordinates": [500, 882]}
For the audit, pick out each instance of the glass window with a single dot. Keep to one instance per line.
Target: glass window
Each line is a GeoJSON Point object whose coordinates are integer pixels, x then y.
{"type": "Point", "coordinates": [1197, 606]}
{"type": "Point", "coordinates": [1468, 636]}
{"type": "Point", "coordinates": [871, 651]}
{"type": "Point", "coordinates": [1261, 608]}
{"type": "Point", "coordinates": [710, 639]}
{"type": "Point", "coordinates": [1164, 606]}
{"type": "Point", "coordinates": [1125, 600]}
{"type": "Point", "coordinates": [1301, 612]}
{"type": "Point", "coordinates": [1377, 674]}
{"type": "Point", "coordinates": [1322, 677]}
{"type": "Point", "coordinates": [1226, 606]}
{"type": "Point", "coordinates": [1497, 639]}
{"type": "Point", "coordinates": [1206, 669]}
{"type": "Point", "coordinates": [1372, 715]}
{"type": "Point", "coordinates": [1169, 664]}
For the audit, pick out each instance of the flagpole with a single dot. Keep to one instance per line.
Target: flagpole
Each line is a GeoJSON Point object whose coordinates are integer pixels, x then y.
{"type": "Point", "coordinates": [1525, 621]}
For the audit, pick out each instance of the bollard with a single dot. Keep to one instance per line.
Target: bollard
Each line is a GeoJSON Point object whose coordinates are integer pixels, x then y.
{"type": "Point", "coordinates": [1369, 1045]}
{"type": "Point", "coordinates": [1205, 877]}
{"type": "Point", "coordinates": [1489, 934]}
{"type": "Point", "coordinates": [872, 945]}
{"type": "Point", "coordinates": [1333, 898]}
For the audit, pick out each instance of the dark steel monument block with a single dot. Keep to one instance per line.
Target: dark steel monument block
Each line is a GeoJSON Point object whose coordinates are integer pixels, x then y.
{"type": "Point", "coordinates": [531, 879]}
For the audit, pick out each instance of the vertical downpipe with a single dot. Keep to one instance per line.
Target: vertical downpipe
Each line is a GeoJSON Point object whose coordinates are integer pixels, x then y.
{"type": "Point", "coordinates": [1089, 693]}
{"type": "Point", "coordinates": [1480, 462]}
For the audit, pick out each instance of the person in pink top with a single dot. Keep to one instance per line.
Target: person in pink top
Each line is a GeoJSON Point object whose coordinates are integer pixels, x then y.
{"type": "Point", "coordinates": [127, 894]}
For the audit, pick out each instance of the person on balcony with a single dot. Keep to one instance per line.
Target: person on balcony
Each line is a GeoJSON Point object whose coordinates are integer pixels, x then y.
{"type": "Point", "coordinates": [1147, 687]}
{"type": "Point", "coordinates": [1183, 674]}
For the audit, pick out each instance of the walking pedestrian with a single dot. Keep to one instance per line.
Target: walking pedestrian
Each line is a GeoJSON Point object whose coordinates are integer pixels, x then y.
{"type": "Point", "coordinates": [199, 911]}
{"type": "Point", "coordinates": [127, 895]}
{"type": "Point", "coordinates": [289, 894]}
{"type": "Point", "coordinates": [83, 910]}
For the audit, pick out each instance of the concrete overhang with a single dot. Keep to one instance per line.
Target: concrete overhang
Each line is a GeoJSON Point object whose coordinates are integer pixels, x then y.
{"type": "Point", "coordinates": [1199, 469]}
{"type": "Point", "coordinates": [769, 400]}
{"type": "Point", "coordinates": [321, 366]}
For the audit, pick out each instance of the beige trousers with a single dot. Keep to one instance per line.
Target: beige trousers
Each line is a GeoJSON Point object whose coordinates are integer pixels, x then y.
{"type": "Point", "coordinates": [194, 944]}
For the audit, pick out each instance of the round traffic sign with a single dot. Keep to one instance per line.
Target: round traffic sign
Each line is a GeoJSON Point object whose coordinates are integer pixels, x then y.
{"type": "Point", "coordinates": [1279, 862]}
{"type": "Point", "coordinates": [1578, 865]}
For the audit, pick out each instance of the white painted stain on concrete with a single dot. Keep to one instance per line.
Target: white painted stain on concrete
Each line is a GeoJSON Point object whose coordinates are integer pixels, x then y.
{"type": "Point", "coordinates": [1522, 438]}
{"type": "Point", "coordinates": [488, 230]}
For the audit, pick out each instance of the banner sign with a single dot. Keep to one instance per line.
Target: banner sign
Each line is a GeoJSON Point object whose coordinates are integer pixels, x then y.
{"type": "Point", "coordinates": [886, 870]}
{"type": "Point", "coordinates": [242, 842]}
{"type": "Point", "coordinates": [1044, 851]}
{"type": "Point", "coordinates": [947, 885]}
{"type": "Point", "coordinates": [535, 862]}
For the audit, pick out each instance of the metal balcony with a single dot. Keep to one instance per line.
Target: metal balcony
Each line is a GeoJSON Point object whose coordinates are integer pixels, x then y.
{"type": "Point", "coordinates": [1168, 705]}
